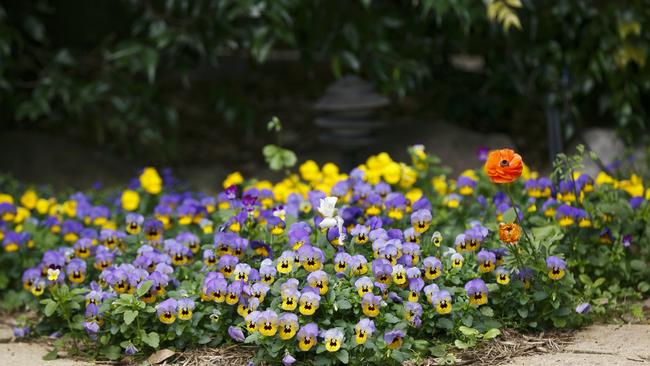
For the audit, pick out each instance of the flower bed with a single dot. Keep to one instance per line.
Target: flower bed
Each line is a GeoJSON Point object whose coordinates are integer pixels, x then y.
{"type": "Point", "coordinates": [387, 263]}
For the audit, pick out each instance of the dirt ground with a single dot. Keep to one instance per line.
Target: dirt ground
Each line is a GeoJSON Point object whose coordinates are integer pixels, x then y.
{"type": "Point", "coordinates": [596, 345]}
{"type": "Point", "coordinates": [599, 345]}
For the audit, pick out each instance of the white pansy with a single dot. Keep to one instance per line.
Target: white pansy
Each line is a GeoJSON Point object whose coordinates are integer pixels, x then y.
{"type": "Point", "coordinates": [53, 274]}
{"type": "Point", "coordinates": [327, 206]}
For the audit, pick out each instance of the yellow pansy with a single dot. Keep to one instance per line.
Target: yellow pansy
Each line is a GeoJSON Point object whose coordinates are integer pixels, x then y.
{"type": "Point", "coordinates": [43, 205]}
{"type": "Point", "coordinates": [5, 198]}
{"type": "Point", "coordinates": [440, 185]}
{"type": "Point", "coordinates": [633, 186]}
{"type": "Point", "coordinates": [263, 184]}
{"type": "Point", "coordinates": [130, 200]}
{"type": "Point", "coordinates": [414, 194]}
{"type": "Point", "coordinates": [150, 180]}
{"type": "Point", "coordinates": [330, 170]}
{"type": "Point", "coordinates": [470, 174]}
{"type": "Point", "coordinates": [234, 178]}
{"type": "Point", "coordinates": [21, 214]}
{"type": "Point", "coordinates": [29, 199]}
{"type": "Point", "coordinates": [409, 176]}
{"type": "Point", "coordinates": [604, 178]}
{"type": "Point", "coordinates": [310, 171]}
{"type": "Point", "coordinates": [323, 187]}
{"type": "Point", "coordinates": [392, 173]}
{"type": "Point", "coordinates": [527, 174]}
{"type": "Point", "coordinates": [70, 208]}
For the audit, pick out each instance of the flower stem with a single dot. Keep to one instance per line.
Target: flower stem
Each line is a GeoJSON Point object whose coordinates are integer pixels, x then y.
{"type": "Point", "coordinates": [519, 222]}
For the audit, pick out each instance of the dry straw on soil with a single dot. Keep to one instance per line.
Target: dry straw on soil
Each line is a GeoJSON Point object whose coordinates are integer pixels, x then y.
{"type": "Point", "coordinates": [231, 355]}
{"type": "Point", "coordinates": [499, 351]}
{"type": "Point", "coordinates": [509, 345]}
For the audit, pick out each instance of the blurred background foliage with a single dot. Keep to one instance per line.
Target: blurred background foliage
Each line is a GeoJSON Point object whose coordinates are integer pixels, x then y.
{"type": "Point", "coordinates": [171, 79]}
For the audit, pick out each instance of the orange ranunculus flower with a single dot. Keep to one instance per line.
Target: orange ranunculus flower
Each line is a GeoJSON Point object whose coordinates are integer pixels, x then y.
{"type": "Point", "coordinates": [503, 166]}
{"type": "Point", "coordinates": [509, 233]}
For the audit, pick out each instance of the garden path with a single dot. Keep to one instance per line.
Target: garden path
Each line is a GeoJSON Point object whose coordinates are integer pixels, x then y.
{"type": "Point", "coordinates": [601, 344]}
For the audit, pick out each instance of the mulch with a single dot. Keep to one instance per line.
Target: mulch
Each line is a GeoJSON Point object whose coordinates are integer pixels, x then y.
{"type": "Point", "coordinates": [234, 355]}
{"type": "Point", "coordinates": [499, 351]}
{"type": "Point", "coordinates": [511, 344]}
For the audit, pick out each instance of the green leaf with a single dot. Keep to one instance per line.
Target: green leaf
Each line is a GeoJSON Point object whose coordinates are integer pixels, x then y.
{"type": "Point", "coordinates": [252, 338]}
{"type": "Point", "coordinates": [540, 295]}
{"type": "Point", "coordinates": [399, 356]}
{"type": "Point", "coordinates": [344, 304]}
{"type": "Point", "coordinates": [343, 356]}
{"type": "Point", "coordinates": [445, 323]}
{"type": "Point", "coordinates": [152, 339]}
{"type": "Point", "coordinates": [487, 311]}
{"type": "Point", "coordinates": [548, 233]}
{"type": "Point", "coordinates": [510, 215]}
{"type": "Point", "coordinates": [112, 352]}
{"type": "Point", "coordinates": [129, 316]}
{"type": "Point", "coordinates": [585, 279]}
{"type": "Point", "coordinates": [523, 312]}
{"type": "Point", "coordinates": [270, 150]}
{"type": "Point", "coordinates": [599, 281]}
{"type": "Point", "coordinates": [50, 308]}
{"type": "Point", "coordinates": [638, 265]}
{"type": "Point", "coordinates": [492, 333]}
{"type": "Point", "coordinates": [468, 331]}
{"type": "Point", "coordinates": [390, 318]}
{"type": "Point", "coordinates": [52, 355]}
{"type": "Point", "coordinates": [144, 288]}
{"type": "Point", "coordinates": [289, 158]}
{"type": "Point", "coordinates": [460, 344]}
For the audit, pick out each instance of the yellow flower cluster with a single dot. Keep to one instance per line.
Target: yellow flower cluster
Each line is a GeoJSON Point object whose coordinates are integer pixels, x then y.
{"type": "Point", "coordinates": [382, 166]}
{"type": "Point", "coordinates": [322, 179]}
{"type": "Point", "coordinates": [30, 202]}
{"type": "Point", "coordinates": [633, 186]}
{"type": "Point", "coordinates": [313, 177]}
